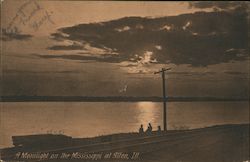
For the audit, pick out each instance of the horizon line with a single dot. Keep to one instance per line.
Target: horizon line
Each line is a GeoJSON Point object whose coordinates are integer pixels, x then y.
{"type": "Point", "coordinates": [117, 98]}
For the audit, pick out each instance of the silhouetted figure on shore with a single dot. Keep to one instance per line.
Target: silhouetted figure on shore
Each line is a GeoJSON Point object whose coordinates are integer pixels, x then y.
{"type": "Point", "coordinates": [150, 128]}
{"type": "Point", "coordinates": [141, 131]}
{"type": "Point", "coordinates": [159, 129]}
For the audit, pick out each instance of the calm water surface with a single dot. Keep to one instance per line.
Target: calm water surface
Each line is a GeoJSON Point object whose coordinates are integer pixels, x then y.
{"type": "Point", "coordinates": [88, 119]}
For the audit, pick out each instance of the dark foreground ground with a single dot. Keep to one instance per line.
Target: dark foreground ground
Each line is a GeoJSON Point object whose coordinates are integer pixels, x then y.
{"type": "Point", "coordinates": [226, 143]}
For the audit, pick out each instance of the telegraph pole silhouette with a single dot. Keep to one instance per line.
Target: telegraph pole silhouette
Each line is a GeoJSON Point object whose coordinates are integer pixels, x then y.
{"type": "Point", "coordinates": [162, 71]}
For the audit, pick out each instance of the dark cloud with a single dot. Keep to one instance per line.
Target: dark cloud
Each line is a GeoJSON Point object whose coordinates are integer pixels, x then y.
{"type": "Point", "coordinates": [104, 58]}
{"type": "Point", "coordinates": [41, 72]}
{"type": "Point", "coordinates": [199, 39]}
{"type": "Point", "coordinates": [6, 36]}
{"type": "Point", "coordinates": [220, 5]}
{"type": "Point", "coordinates": [69, 47]}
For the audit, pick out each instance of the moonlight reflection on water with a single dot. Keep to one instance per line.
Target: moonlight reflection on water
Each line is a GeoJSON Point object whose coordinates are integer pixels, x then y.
{"type": "Point", "coordinates": [88, 119]}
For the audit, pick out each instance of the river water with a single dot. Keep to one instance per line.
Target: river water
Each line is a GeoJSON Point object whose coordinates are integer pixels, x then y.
{"type": "Point", "coordinates": [87, 119]}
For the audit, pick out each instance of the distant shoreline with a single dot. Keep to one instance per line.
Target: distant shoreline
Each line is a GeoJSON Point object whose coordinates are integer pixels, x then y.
{"type": "Point", "coordinates": [114, 99]}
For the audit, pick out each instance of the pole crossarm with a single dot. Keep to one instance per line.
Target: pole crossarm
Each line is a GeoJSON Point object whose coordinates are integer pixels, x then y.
{"type": "Point", "coordinates": [162, 70]}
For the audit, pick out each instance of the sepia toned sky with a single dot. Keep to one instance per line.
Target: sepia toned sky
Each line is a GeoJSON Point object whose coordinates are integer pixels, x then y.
{"type": "Point", "coordinates": [113, 49]}
{"type": "Point", "coordinates": [68, 13]}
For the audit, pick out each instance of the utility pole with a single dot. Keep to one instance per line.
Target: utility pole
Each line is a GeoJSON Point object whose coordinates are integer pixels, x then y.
{"type": "Point", "coordinates": [162, 71]}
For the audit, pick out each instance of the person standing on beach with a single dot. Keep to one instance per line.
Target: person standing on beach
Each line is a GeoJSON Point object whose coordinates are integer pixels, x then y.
{"type": "Point", "coordinates": [150, 128]}
{"type": "Point", "coordinates": [141, 131]}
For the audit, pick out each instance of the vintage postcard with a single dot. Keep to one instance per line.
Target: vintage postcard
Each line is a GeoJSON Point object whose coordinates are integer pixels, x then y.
{"type": "Point", "coordinates": [124, 81]}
